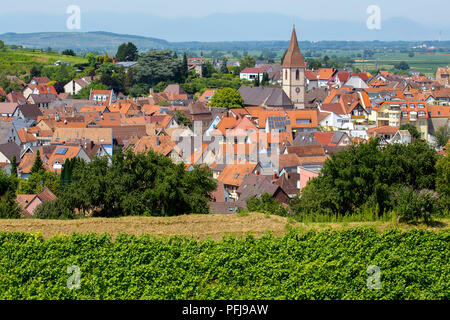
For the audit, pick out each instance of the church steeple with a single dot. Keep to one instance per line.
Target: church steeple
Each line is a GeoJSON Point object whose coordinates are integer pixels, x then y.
{"type": "Point", "coordinates": [293, 57]}
{"type": "Point", "coordinates": [293, 73]}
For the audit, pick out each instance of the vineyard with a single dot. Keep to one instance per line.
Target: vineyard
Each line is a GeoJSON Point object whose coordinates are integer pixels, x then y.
{"type": "Point", "coordinates": [313, 265]}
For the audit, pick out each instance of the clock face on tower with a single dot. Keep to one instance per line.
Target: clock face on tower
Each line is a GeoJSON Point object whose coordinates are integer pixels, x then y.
{"type": "Point", "coordinates": [297, 90]}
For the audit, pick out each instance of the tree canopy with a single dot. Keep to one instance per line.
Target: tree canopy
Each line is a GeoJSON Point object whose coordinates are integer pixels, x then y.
{"type": "Point", "coordinates": [227, 98]}
{"type": "Point", "coordinates": [366, 175]}
{"type": "Point", "coordinates": [411, 129]}
{"type": "Point", "coordinates": [155, 66]}
{"type": "Point", "coordinates": [142, 184]}
{"type": "Point", "coordinates": [127, 52]}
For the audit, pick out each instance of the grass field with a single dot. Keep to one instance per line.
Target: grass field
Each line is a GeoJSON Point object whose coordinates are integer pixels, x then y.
{"type": "Point", "coordinates": [422, 62]}
{"type": "Point", "coordinates": [198, 226]}
{"type": "Point", "coordinates": [19, 62]}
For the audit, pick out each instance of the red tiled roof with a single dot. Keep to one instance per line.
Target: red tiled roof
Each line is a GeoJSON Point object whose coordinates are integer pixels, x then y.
{"type": "Point", "coordinates": [256, 70]}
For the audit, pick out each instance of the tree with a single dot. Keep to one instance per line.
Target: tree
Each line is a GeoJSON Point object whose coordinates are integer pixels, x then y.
{"type": "Point", "coordinates": [282, 57]}
{"type": "Point", "coordinates": [256, 81]}
{"type": "Point", "coordinates": [266, 204]}
{"type": "Point", "coordinates": [94, 85]}
{"type": "Point", "coordinates": [442, 135]}
{"type": "Point", "coordinates": [138, 90]}
{"type": "Point", "coordinates": [59, 86]}
{"type": "Point", "coordinates": [247, 62]}
{"type": "Point", "coordinates": [54, 209]}
{"type": "Point", "coordinates": [138, 184]}
{"type": "Point", "coordinates": [364, 176]}
{"type": "Point", "coordinates": [223, 67]}
{"type": "Point", "coordinates": [14, 166]}
{"type": "Point", "coordinates": [208, 70]}
{"type": "Point", "coordinates": [314, 64]}
{"type": "Point", "coordinates": [184, 68]}
{"type": "Point", "coordinates": [37, 164]}
{"type": "Point", "coordinates": [155, 66]}
{"type": "Point", "coordinates": [443, 181]}
{"type": "Point", "coordinates": [127, 52]}
{"type": "Point", "coordinates": [402, 66]}
{"type": "Point", "coordinates": [265, 79]}
{"type": "Point", "coordinates": [182, 119]}
{"type": "Point", "coordinates": [7, 183]}
{"type": "Point", "coordinates": [415, 134]}
{"type": "Point", "coordinates": [9, 208]}
{"type": "Point", "coordinates": [35, 70]}
{"type": "Point", "coordinates": [227, 98]}
{"type": "Point", "coordinates": [68, 52]}
{"type": "Point", "coordinates": [411, 205]}
{"type": "Point", "coordinates": [37, 181]}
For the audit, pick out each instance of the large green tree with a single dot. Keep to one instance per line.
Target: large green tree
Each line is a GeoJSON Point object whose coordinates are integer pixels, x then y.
{"type": "Point", "coordinates": [37, 164]}
{"type": "Point", "coordinates": [127, 52]}
{"type": "Point", "coordinates": [247, 62]}
{"type": "Point", "coordinates": [366, 175]}
{"type": "Point", "coordinates": [142, 184]}
{"type": "Point", "coordinates": [184, 68]}
{"type": "Point", "coordinates": [157, 65]}
{"type": "Point", "coordinates": [223, 67]}
{"type": "Point", "coordinates": [227, 98]}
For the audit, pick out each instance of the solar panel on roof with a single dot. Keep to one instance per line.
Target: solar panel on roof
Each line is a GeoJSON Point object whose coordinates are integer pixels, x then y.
{"type": "Point", "coordinates": [61, 151]}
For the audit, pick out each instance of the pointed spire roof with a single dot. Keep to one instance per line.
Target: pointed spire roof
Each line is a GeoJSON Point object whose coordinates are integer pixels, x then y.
{"type": "Point", "coordinates": [293, 57]}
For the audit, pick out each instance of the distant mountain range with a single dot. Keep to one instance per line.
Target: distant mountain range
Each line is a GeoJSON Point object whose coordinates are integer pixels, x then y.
{"type": "Point", "coordinates": [224, 27]}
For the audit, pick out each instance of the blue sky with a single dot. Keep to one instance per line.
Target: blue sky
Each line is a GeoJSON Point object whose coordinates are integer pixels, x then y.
{"type": "Point", "coordinates": [434, 12]}
{"type": "Point", "coordinates": [228, 20]}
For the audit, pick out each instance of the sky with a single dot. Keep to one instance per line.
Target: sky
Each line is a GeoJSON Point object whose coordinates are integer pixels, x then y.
{"type": "Point", "coordinates": [432, 12]}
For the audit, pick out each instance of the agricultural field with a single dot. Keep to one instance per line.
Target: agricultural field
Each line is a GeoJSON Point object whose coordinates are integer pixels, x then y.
{"type": "Point", "coordinates": [426, 63]}
{"type": "Point", "coordinates": [197, 226]}
{"type": "Point", "coordinates": [355, 263]}
{"type": "Point", "coordinates": [19, 62]}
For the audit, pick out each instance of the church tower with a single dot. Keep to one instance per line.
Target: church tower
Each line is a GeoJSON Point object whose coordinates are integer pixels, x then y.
{"type": "Point", "coordinates": [293, 69]}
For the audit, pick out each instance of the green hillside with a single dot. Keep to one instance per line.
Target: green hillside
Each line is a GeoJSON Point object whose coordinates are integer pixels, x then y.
{"type": "Point", "coordinates": [81, 41]}
{"type": "Point", "coordinates": [19, 62]}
